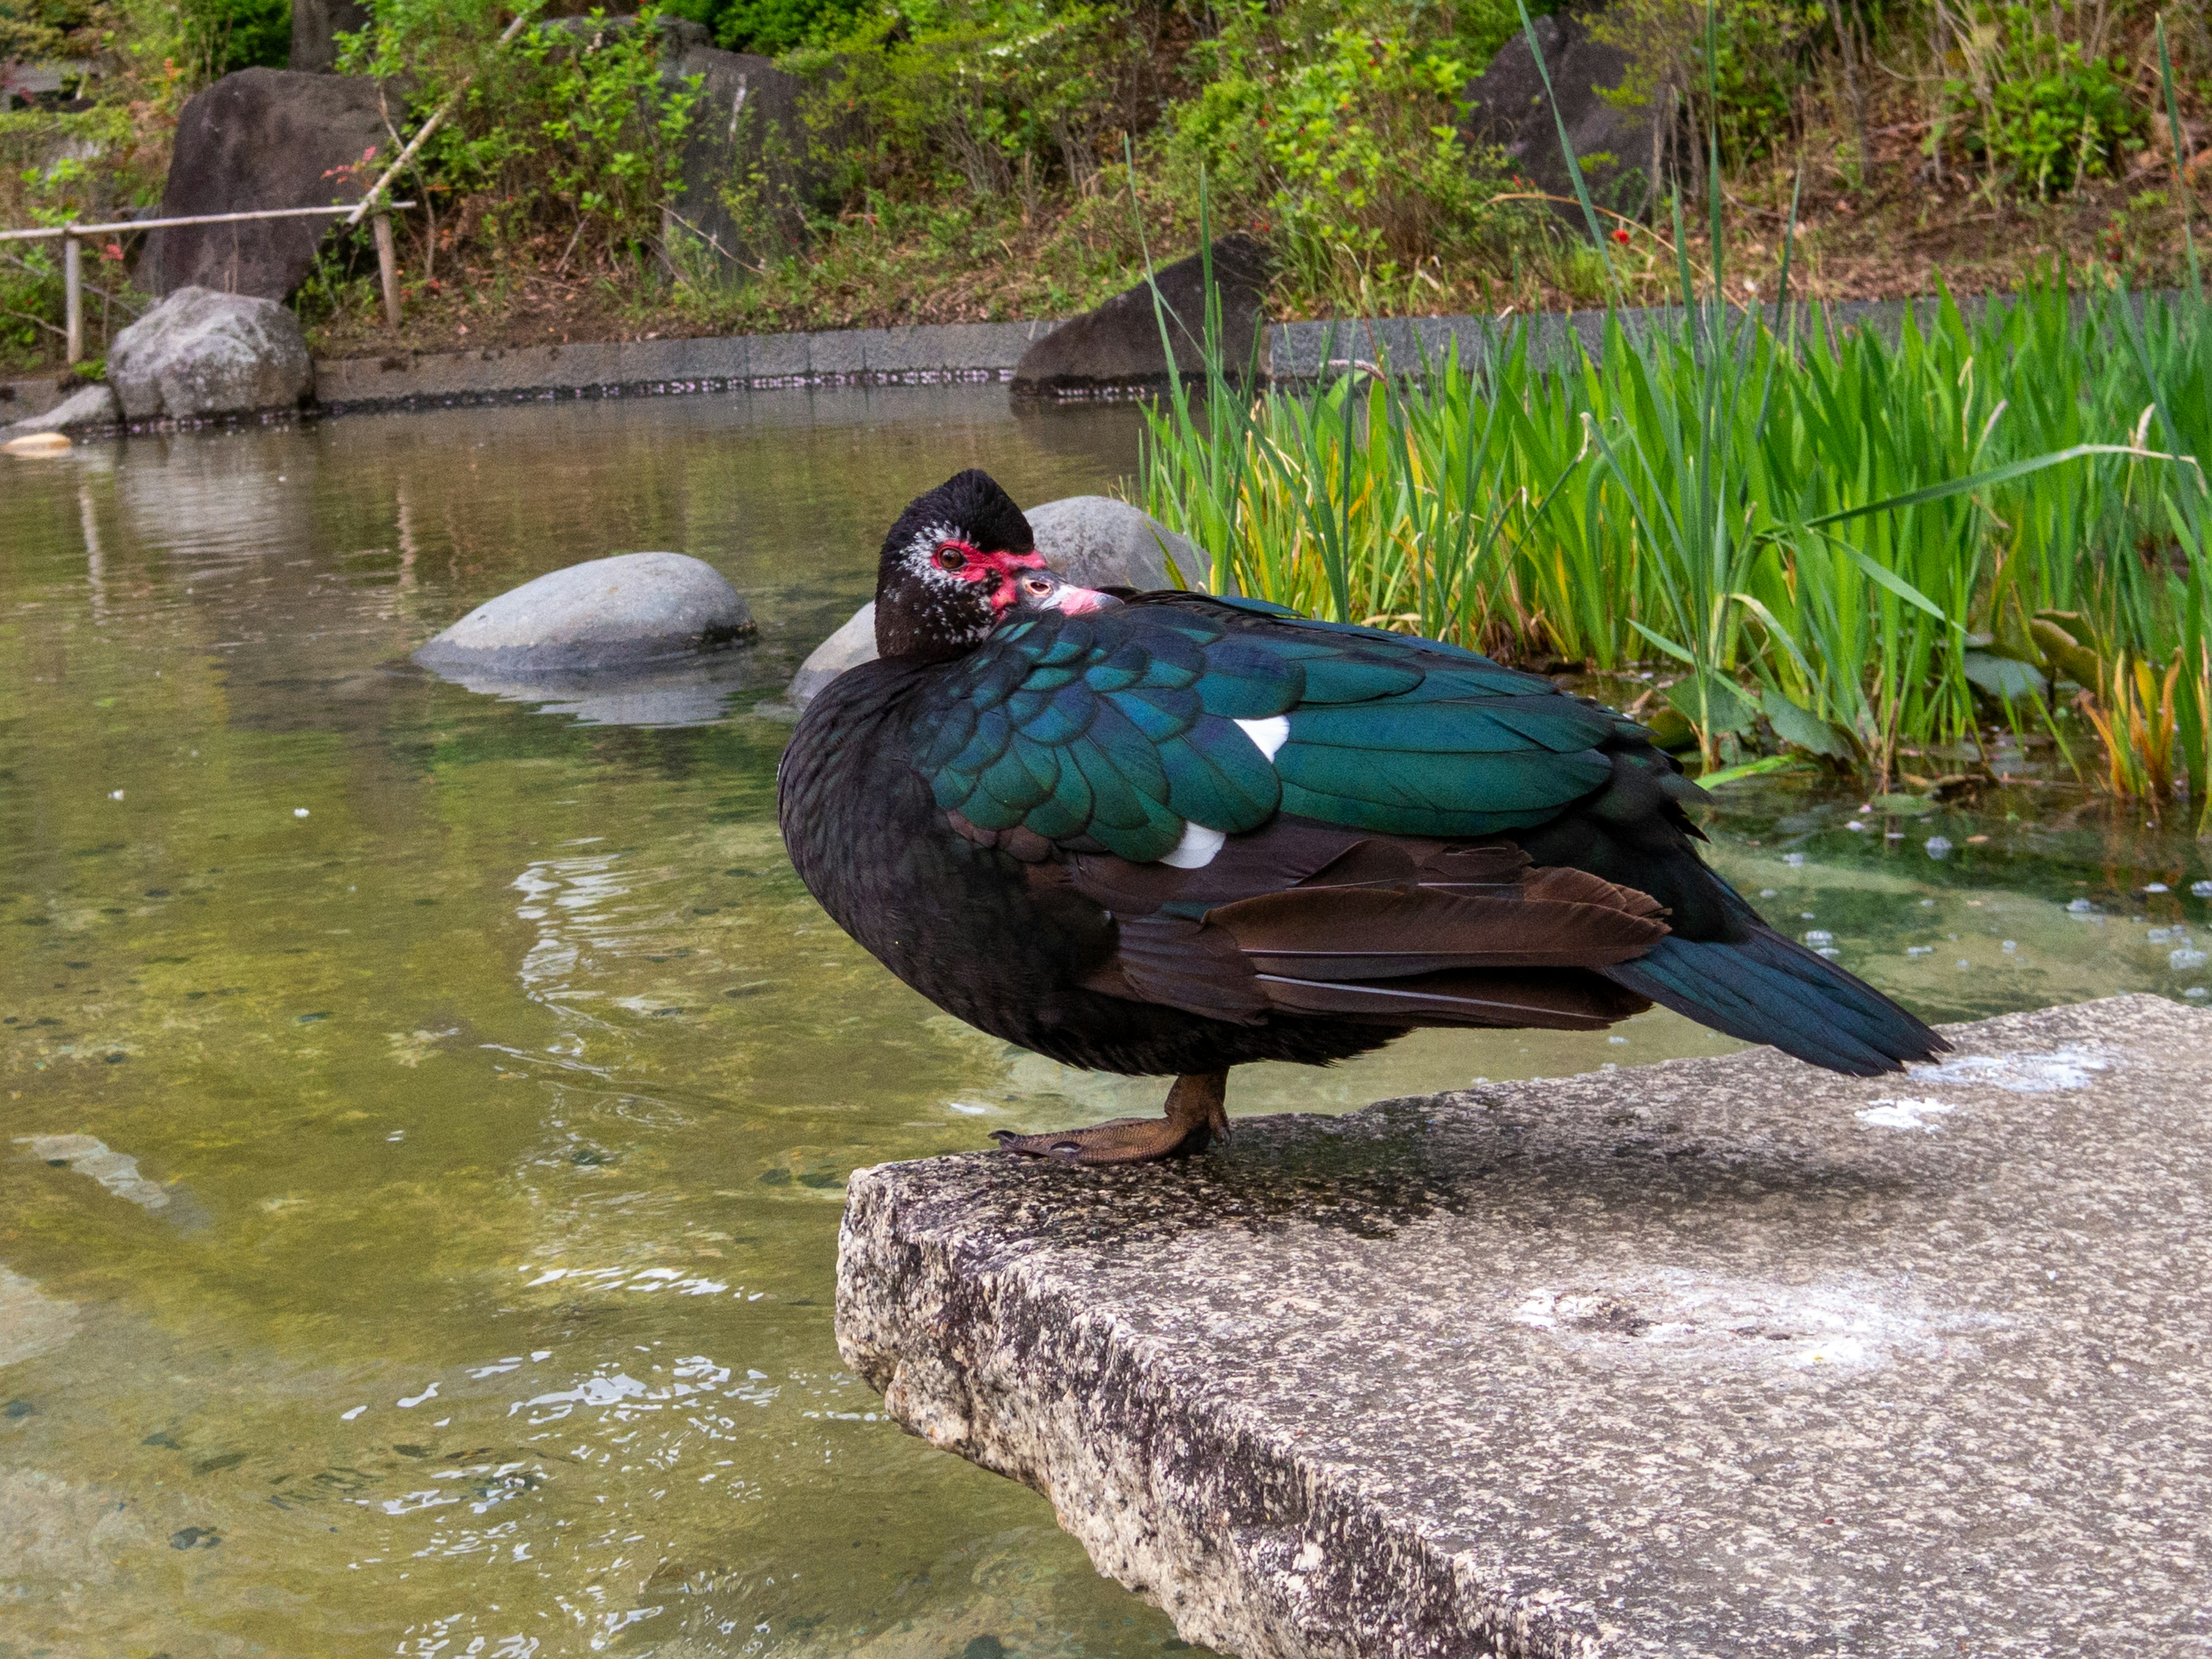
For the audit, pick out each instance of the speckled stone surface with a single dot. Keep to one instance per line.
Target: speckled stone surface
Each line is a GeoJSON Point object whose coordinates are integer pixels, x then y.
{"type": "Point", "coordinates": [1726, 1357]}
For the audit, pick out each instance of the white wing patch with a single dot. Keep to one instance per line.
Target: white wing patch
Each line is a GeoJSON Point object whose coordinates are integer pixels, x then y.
{"type": "Point", "coordinates": [1196, 848]}
{"type": "Point", "coordinates": [1268, 735]}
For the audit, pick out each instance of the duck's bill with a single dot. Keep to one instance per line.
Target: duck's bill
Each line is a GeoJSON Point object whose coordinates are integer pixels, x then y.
{"type": "Point", "coordinates": [1041, 590]}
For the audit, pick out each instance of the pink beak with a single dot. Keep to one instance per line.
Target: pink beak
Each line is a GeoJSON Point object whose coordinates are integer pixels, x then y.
{"type": "Point", "coordinates": [1041, 590]}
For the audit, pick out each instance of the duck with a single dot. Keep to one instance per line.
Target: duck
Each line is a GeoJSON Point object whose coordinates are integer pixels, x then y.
{"type": "Point", "coordinates": [1170, 834]}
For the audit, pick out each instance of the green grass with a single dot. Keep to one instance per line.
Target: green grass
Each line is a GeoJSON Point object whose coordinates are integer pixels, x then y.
{"type": "Point", "coordinates": [1842, 545]}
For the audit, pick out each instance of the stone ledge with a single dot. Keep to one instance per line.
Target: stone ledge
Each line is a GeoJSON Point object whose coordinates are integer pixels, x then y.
{"type": "Point", "coordinates": [925, 353]}
{"type": "Point", "coordinates": [1721, 1356]}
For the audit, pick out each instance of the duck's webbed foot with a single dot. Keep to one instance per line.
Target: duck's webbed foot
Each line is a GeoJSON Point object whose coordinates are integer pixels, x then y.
{"type": "Point", "coordinates": [1196, 1115]}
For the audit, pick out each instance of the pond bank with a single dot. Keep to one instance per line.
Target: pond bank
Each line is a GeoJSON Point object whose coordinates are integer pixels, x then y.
{"type": "Point", "coordinates": [923, 354]}
{"type": "Point", "coordinates": [1722, 1356]}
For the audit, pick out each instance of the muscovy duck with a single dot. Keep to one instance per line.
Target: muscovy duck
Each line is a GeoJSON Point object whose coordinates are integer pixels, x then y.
{"type": "Point", "coordinates": [1165, 833]}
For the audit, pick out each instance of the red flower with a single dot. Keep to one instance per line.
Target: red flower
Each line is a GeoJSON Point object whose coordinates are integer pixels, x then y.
{"type": "Point", "coordinates": [1620, 236]}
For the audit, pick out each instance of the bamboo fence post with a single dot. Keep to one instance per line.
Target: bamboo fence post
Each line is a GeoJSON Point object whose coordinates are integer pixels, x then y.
{"type": "Point", "coordinates": [73, 292]}
{"type": "Point", "coordinates": [387, 269]}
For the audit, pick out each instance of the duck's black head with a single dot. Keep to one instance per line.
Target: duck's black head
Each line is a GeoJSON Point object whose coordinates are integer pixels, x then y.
{"type": "Point", "coordinates": [950, 569]}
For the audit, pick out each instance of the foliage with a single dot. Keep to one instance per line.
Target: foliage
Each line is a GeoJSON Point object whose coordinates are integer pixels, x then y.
{"type": "Point", "coordinates": [574, 127]}
{"type": "Point", "coordinates": [2040, 112]}
{"type": "Point", "coordinates": [1339, 128]}
{"type": "Point", "coordinates": [218, 36]}
{"type": "Point", "coordinates": [1835, 532]}
{"type": "Point", "coordinates": [1736, 67]}
{"type": "Point", "coordinates": [36, 29]}
{"type": "Point", "coordinates": [774, 27]}
{"type": "Point", "coordinates": [1008, 98]}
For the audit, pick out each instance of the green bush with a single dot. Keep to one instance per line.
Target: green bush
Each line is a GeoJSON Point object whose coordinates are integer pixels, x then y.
{"type": "Point", "coordinates": [1760, 53]}
{"type": "Point", "coordinates": [772, 27]}
{"type": "Point", "coordinates": [1012, 97]}
{"type": "Point", "coordinates": [1338, 128]}
{"type": "Point", "coordinates": [2036, 110]}
{"type": "Point", "coordinates": [218, 36]}
{"type": "Point", "coordinates": [572, 132]}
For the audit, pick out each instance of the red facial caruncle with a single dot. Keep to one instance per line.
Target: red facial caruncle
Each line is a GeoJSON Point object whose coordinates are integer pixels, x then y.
{"type": "Point", "coordinates": [971, 564]}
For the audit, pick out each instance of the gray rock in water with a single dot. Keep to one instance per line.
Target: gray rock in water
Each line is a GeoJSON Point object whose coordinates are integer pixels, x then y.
{"type": "Point", "coordinates": [849, 647]}
{"type": "Point", "coordinates": [91, 405]}
{"type": "Point", "coordinates": [1094, 541]}
{"type": "Point", "coordinates": [202, 353]}
{"type": "Point", "coordinates": [1118, 344]}
{"type": "Point", "coordinates": [621, 612]}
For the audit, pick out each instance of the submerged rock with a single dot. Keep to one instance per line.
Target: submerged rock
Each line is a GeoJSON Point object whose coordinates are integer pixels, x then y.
{"type": "Point", "coordinates": [623, 612]}
{"type": "Point", "coordinates": [1095, 541]}
{"type": "Point", "coordinates": [1118, 344]}
{"type": "Point", "coordinates": [91, 405]}
{"type": "Point", "coordinates": [201, 352]}
{"type": "Point", "coordinates": [852, 645]}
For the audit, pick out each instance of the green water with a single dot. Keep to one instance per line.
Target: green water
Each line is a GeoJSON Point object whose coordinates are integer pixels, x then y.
{"type": "Point", "coordinates": [491, 1083]}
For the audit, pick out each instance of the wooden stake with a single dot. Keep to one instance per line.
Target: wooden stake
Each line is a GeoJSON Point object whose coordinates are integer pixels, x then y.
{"type": "Point", "coordinates": [387, 269]}
{"type": "Point", "coordinates": [73, 292]}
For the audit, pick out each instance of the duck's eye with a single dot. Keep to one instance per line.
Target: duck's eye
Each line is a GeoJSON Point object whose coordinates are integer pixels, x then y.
{"type": "Point", "coordinates": [950, 558]}
{"type": "Point", "coordinates": [1037, 585]}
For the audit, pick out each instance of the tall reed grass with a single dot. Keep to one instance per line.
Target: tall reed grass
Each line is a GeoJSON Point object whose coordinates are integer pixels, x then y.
{"type": "Point", "coordinates": [1846, 546]}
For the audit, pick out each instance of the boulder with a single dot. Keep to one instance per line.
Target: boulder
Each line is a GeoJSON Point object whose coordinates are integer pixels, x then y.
{"type": "Point", "coordinates": [749, 124]}
{"type": "Point", "coordinates": [261, 138]}
{"type": "Point", "coordinates": [201, 352]}
{"type": "Point", "coordinates": [623, 612]}
{"type": "Point", "coordinates": [1118, 344]}
{"type": "Point", "coordinates": [853, 644]}
{"type": "Point", "coordinates": [91, 405]}
{"type": "Point", "coordinates": [1508, 108]}
{"type": "Point", "coordinates": [1096, 541]}
{"type": "Point", "coordinates": [1092, 540]}
{"type": "Point", "coordinates": [316, 25]}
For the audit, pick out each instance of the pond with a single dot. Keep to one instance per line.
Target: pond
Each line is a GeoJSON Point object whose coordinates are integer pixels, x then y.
{"type": "Point", "coordinates": [424, 1115]}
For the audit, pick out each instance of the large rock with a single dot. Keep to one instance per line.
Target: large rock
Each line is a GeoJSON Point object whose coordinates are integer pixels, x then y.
{"type": "Point", "coordinates": [619, 613]}
{"type": "Point", "coordinates": [1094, 541]}
{"type": "Point", "coordinates": [91, 405]}
{"type": "Point", "coordinates": [1719, 1356]}
{"type": "Point", "coordinates": [1614, 144]}
{"type": "Point", "coordinates": [853, 644]}
{"type": "Point", "coordinates": [750, 126]}
{"type": "Point", "coordinates": [316, 25]}
{"type": "Point", "coordinates": [1118, 344]}
{"type": "Point", "coordinates": [261, 138]}
{"type": "Point", "coordinates": [201, 352]}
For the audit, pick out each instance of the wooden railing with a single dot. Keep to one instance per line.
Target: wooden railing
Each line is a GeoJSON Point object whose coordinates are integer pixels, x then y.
{"type": "Point", "coordinates": [73, 235]}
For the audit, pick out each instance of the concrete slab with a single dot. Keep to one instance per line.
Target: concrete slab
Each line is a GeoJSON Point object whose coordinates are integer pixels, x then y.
{"type": "Point", "coordinates": [1725, 1357]}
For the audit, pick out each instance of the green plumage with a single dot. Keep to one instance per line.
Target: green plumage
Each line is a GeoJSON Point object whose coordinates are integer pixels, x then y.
{"type": "Point", "coordinates": [1120, 728]}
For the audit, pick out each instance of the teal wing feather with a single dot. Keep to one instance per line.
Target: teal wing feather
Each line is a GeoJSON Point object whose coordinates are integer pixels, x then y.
{"type": "Point", "coordinates": [1118, 729]}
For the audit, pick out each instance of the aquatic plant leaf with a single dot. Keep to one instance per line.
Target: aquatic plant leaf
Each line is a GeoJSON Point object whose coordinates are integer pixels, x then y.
{"type": "Point", "coordinates": [2003, 678]}
{"type": "Point", "coordinates": [1715, 703]}
{"type": "Point", "coordinates": [1800, 728]}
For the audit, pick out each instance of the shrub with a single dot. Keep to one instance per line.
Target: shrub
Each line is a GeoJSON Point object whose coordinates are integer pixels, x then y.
{"type": "Point", "coordinates": [2039, 112]}
{"type": "Point", "coordinates": [570, 129]}
{"type": "Point", "coordinates": [1340, 130]}
{"type": "Point", "coordinates": [1760, 52]}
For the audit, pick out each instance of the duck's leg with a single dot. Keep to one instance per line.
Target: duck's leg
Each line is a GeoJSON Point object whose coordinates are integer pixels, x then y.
{"type": "Point", "coordinates": [1196, 1115]}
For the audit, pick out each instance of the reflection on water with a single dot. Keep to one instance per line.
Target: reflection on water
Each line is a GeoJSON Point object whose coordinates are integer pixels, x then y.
{"type": "Point", "coordinates": [423, 1122]}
